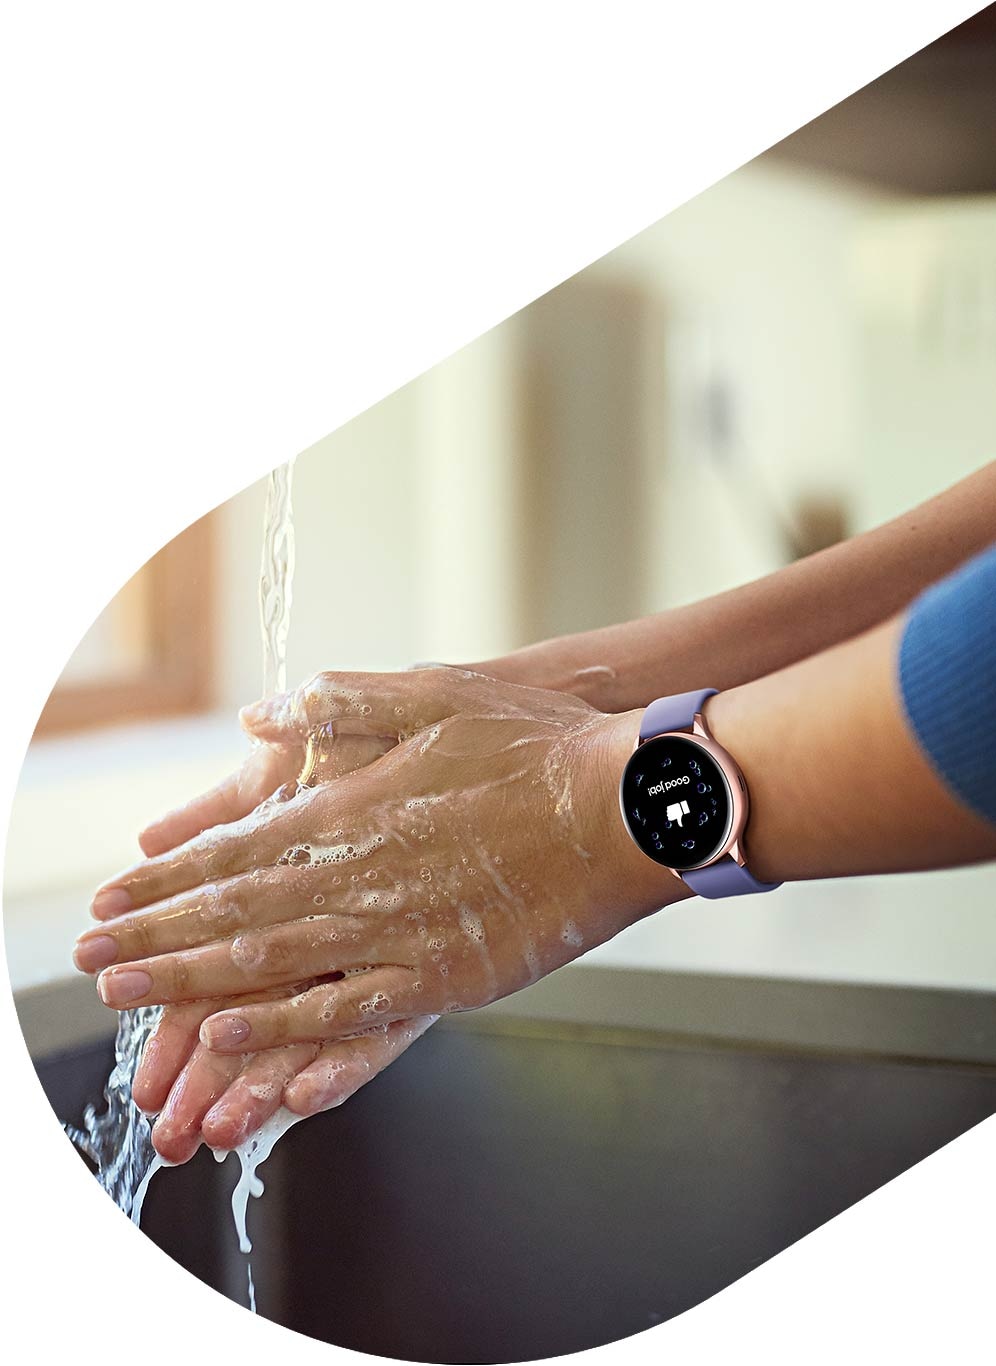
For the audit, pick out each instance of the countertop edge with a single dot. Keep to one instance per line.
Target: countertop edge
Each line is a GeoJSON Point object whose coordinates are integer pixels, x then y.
{"type": "Point", "coordinates": [931, 1024]}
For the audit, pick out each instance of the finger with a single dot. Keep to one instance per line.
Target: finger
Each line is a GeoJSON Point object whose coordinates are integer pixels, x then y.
{"type": "Point", "coordinates": [276, 956]}
{"type": "Point", "coordinates": [173, 1041]}
{"type": "Point", "coordinates": [341, 1068]}
{"type": "Point", "coordinates": [266, 769]}
{"type": "Point", "coordinates": [254, 1095]}
{"type": "Point", "coordinates": [255, 841]}
{"type": "Point", "coordinates": [204, 1079]}
{"type": "Point", "coordinates": [216, 911]}
{"type": "Point", "coordinates": [386, 704]}
{"type": "Point", "coordinates": [329, 1011]}
{"type": "Point", "coordinates": [167, 1049]}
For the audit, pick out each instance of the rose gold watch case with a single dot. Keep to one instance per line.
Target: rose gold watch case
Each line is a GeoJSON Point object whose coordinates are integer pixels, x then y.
{"type": "Point", "coordinates": [737, 788]}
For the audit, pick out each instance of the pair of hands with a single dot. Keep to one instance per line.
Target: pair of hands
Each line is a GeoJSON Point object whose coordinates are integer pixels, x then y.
{"type": "Point", "coordinates": [456, 838]}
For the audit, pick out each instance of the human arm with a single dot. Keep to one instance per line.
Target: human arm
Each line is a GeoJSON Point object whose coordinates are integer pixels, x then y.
{"type": "Point", "coordinates": [948, 640]}
{"type": "Point", "coordinates": [520, 787]}
{"type": "Point", "coordinates": [730, 638]}
{"type": "Point", "coordinates": [765, 625]}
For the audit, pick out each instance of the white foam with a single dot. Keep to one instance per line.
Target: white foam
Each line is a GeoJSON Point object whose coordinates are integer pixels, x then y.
{"type": "Point", "coordinates": [320, 855]}
{"type": "Point", "coordinates": [252, 1153]}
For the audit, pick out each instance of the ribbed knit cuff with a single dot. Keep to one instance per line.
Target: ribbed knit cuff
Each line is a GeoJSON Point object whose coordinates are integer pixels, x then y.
{"type": "Point", "coordinates": [947, 680]}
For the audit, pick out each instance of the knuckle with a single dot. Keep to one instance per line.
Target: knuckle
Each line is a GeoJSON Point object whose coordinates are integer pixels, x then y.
{"type": "Point", "coordinates": [274, 1023]}
{"type": "Point", "coordinates": [264, 955]}
{"type": "Point", "coordinates": [210, 855]}
{"type": "Point", "coordinates": [222, 910]}
{"type": "Point", "coordinates": [179, 976]}
{"type": "Point", "coordinates": [137, 939]}
{"type": "Point", "coordinates": [320, 694]}
{"type": "Point", "coordinates": [322, 1005]}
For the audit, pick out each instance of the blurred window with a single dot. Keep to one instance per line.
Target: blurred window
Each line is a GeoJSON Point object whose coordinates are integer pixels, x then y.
{"type": "Point", "coordinates": [150, 652]}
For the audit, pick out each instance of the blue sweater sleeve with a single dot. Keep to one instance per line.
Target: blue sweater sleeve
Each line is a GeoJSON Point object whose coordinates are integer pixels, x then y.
{"type": "Point", "coordinates": [947, 680]}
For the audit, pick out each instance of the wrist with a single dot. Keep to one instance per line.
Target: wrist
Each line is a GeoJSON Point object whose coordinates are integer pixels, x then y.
{"type": "Point", "coordinates": [633, 884]}
{"type": "Point", "coordinates": [744, 733]}
{"type": "Point", "coordinates": [569, 664]}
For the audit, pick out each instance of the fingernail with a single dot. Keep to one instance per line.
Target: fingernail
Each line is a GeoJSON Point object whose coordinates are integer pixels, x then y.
{"type": "Point", "coordinates": [111, 902]}
{"type": "Point", "coordinates": [225, 1031]}
{"type": "Point", "coordinates": [100, 951]}
{"type": "Point", "coordinates": [119, 989]}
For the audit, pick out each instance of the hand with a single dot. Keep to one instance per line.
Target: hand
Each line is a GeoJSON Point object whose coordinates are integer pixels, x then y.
{"type": "Point", "coordinates": [269, 770]}
{"type": "Point", "coordinates": [199, 1096]}
{"type": "Point", "coordinates": [481, 851]}
{"type": "Point", "coordinates": [221, 1099]}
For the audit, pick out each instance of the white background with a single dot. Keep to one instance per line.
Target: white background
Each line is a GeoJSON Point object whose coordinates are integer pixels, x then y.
{"type": "Point", "coordinates": [229, 229]}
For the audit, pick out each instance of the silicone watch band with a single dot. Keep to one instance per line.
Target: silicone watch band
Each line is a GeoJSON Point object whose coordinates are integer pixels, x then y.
{"type": "Point", "coordinates": [673, 713]}
{"type": "Point", "coordinates": [726, 877]}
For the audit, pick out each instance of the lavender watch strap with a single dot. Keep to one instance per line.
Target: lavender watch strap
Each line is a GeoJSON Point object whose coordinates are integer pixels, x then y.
{"type": "Point", "coordinates": [673, 713]}
{"type": "Point", "coordinates": [727, 877]}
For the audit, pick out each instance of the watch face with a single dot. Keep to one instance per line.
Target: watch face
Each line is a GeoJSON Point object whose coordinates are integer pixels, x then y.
{"type": "Point", "coordinates": [676, 802]}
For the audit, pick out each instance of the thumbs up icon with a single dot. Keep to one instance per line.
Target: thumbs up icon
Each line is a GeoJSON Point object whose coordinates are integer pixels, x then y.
{"type": "Point", "coordinates": [676, 811]}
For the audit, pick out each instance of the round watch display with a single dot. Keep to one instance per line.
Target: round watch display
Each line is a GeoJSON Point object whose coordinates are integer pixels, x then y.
{"type": "Point", "coordinates": [676, 802]}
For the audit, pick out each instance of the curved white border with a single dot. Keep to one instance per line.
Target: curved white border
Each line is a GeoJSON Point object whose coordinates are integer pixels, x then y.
{"type": "Point", "coordinates": [230, 227]}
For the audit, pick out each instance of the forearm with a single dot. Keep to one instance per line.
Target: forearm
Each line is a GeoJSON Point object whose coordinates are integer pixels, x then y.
{"type": "Point", "coordinates": [838, 784]}
{"type": "Point", "coordinates": [734, 637]}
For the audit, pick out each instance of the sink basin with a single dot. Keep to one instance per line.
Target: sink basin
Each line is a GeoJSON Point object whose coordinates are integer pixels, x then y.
{"type": "Point", "coordinates": [511, 1190]}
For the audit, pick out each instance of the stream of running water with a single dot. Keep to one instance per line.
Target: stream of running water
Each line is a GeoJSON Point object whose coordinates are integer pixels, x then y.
{"type": "Point", "coordinates": [118, 1139]}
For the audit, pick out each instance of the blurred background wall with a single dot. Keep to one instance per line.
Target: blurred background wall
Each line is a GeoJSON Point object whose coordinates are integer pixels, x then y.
{"type": "Point", "coordinates": [803, 351]}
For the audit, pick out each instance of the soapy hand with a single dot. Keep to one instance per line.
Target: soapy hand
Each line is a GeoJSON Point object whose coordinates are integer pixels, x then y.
{"type": "Point", "coordinates": [481, 850]}
{"type": "Point", "coordinates": [221, 1099]}
{"type": "Point", "coordinates": [197, 1095]}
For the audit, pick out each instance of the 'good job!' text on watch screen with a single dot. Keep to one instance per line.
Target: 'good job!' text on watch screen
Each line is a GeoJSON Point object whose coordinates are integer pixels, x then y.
{"type": "Point", "coordinates": [676, 802]}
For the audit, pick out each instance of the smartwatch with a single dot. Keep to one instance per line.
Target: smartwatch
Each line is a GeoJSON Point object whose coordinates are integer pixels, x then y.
{"type": "Point", "coordinates": [684, 800]}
